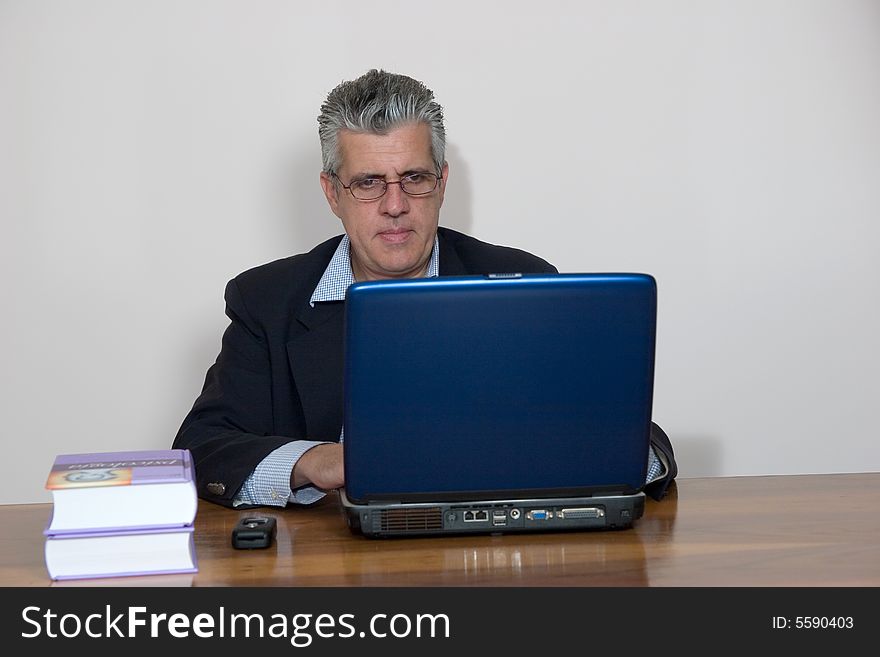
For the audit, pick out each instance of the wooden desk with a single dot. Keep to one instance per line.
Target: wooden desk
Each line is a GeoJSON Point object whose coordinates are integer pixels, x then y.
{"type": "Point", "coordinates": [804, 530]}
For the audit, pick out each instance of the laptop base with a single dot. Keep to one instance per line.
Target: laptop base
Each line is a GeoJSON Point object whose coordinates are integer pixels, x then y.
{"type": "Point", "coordinates": [385, 520]}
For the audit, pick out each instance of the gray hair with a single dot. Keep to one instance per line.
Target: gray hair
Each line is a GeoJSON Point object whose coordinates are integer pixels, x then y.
{"type": "Point", "coordinates": [376, 103]}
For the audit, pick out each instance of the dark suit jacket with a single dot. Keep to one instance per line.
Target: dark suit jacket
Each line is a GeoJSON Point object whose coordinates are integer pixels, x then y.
{"type": "Point", "coordinates": [278, 376]}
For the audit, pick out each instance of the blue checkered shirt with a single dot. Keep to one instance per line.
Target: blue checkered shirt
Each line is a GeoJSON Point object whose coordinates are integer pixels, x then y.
{"type": "Point", "coordinates": [269, 483]}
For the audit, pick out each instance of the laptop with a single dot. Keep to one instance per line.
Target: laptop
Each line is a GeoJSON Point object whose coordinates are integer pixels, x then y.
{"type": "Point", "coordinates": [497, 403]}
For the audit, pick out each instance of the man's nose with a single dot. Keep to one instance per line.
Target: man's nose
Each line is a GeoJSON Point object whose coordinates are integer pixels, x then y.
{"type": "Point", "coordinates": [395, 201]}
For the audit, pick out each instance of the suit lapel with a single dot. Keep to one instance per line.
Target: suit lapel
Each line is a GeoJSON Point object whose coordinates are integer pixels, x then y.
{"type": "Point", "coordinates": [316, 361]}
{"type": "Point", "coordinates": [450, 263]}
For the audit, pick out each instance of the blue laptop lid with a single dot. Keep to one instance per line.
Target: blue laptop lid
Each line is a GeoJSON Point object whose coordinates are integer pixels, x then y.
{"type": "Point", "coordinates": [480, 387]}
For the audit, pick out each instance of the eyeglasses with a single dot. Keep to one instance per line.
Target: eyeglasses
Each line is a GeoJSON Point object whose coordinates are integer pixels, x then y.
{"type": "Point", "coordinates": [370, 189]}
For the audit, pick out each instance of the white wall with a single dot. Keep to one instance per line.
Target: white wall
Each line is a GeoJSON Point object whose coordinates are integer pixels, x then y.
{"type": "Point", "coordinates": [149, 151]}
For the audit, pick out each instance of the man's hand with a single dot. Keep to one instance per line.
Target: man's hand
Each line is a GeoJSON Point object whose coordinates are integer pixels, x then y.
{"type": "Point", "coordinates": [321, 466]}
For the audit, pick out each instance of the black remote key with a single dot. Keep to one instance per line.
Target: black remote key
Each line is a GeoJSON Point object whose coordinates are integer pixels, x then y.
{"type": "Point", "coordinates": [253, 532]}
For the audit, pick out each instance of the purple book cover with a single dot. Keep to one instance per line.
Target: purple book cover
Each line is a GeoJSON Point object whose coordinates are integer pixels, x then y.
{"type": "Point", "coordinates": [122, 532]}
{"type": "Point", "coordinates": [48, 532]}
{"type": "Point", "coordinates": [120, 469]}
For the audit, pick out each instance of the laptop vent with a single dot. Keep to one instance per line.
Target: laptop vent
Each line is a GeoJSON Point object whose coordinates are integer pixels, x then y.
{"type": "Point", "coordinates": [410, 520]}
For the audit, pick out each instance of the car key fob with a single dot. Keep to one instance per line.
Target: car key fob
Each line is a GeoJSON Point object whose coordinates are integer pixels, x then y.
{"type": "Point", "coordinates": [253, 532]}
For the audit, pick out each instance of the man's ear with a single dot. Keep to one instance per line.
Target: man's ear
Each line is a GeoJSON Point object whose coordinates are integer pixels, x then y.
{"type": "Point", "coordinates": [328, 184]}
{"type": "Point", "coordinates": [445, 174]}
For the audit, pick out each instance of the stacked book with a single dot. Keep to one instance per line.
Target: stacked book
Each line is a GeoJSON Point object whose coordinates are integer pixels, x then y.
{"type": "Point", "coordinates": [121, 513]}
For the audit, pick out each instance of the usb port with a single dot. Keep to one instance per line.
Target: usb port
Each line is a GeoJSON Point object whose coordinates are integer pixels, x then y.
{"type": "Point", "coordinates": [499, 518]}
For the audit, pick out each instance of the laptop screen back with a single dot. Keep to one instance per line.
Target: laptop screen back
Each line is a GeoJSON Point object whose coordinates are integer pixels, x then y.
{"type": "Point", "coordinates": [470, 387]}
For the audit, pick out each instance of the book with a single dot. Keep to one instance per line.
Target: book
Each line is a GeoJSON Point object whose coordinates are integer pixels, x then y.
{"type": "Point", "coordinates": [116, 514]}
{"type": "Point", "coordinates": [122, 491]}
{"type": "Point", "coordinates": [121, 553]}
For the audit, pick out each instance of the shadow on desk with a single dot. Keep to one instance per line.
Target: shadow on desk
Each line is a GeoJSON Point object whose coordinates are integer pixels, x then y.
{"type": "Point", "coordinates": [314, 547]}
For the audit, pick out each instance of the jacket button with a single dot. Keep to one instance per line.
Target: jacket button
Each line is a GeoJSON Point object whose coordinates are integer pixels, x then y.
{"type": "Point", "coordinates": [216, 488]}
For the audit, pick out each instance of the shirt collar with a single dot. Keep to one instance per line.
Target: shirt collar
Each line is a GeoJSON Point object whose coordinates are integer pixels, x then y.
{"type": "Point", "coordinates": [338, 275]}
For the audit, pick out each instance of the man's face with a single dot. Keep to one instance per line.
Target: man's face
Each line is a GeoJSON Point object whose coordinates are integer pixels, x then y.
{"type": "Point", "coordinates": [392, 236]}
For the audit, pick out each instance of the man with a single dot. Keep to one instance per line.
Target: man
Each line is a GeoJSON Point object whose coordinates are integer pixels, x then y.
{"type": "Point", "coordinates": [266, 429]}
